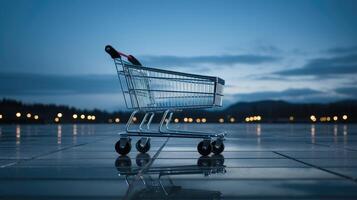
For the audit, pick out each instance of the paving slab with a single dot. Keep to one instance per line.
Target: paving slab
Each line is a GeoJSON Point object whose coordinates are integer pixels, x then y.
{"type": "Point", "coordinates": [260, 161]}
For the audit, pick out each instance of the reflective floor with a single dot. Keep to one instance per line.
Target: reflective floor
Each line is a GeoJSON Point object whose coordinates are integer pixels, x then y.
{"type": "Point", "coordinates": [260, 161]}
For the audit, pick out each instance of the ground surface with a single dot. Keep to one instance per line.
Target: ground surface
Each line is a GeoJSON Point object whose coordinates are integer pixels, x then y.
{"type": "Point", "coordinates": [300, 161]}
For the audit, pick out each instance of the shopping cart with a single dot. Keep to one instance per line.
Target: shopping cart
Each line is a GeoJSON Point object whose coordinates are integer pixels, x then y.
{"type": "Point", "coordinates": [155, 91]}
{"type": "Point", "coordinates": [157, 182]}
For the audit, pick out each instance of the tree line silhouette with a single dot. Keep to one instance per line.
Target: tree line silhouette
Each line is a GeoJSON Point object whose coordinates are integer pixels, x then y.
{"type": "Point", "coordinates": [269, 111]}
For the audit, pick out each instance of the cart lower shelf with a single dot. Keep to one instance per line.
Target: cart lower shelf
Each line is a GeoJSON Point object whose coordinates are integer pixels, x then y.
{"type": "Point", "coordinates": [211, 142]}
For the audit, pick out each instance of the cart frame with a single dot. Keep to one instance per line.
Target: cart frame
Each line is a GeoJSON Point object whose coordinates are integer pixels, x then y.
{"type": "Point", "coordinates": [195, 92]}
{"type": "Point", "coordinates": [205, 166]}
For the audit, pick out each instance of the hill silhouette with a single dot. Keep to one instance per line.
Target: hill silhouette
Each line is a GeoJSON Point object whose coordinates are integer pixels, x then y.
{"type": "Point", "coordinates": [280, 110]}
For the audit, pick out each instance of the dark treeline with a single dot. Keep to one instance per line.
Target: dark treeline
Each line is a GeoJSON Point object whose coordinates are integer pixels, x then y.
{"type": "Point", "coordinates": [12, 111]}
{"type": "Point", "coordinates": [273, 111]}
{"type": "Point", "coordinates": [47, 113]}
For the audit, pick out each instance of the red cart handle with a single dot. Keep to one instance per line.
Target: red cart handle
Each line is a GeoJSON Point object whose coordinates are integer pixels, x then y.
{"type": "Point", "coordinates": [116, 54]}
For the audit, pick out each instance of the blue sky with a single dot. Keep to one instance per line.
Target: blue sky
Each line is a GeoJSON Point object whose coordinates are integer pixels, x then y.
{"type": "Point", "coordinates": [300, 51]}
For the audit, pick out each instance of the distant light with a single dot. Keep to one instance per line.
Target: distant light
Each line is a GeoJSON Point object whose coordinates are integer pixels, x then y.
{"type": "Point", "coordinates": [335, 118]}
{"type": "Point", "coordinates": [323, 119]}
{"type": "Point", "coordinates": [313, 118]}
{"type": "Point", "coordinates": [89, 117]}
{"type": "Point", "coordinates": [291, 118]}
{"type": "Point", "coordinates": [259, 118]}
{"type": "Point", "coordinates": [36, 117]}
{"type": "Point", "coordinates": [247, 119]}
{"type": "Point", "coordinates": [18, 114]}
{"type": "Point", "coordinates": [232, 120]}
{"type": "Point", "coordinates": [117, 120]}
{"type": "Point", "coordinates": [56, 119]}
{"type": "Point", "coordinates": [75, 116]}
{"type": "Point", "coordinates": [198, 120]}
{"type": "Point", "coordinates": [251, 119]}
{"type": "Point", "coordinates": [93, 117]}
{"type": "Point", "coordinates": [135, 119]}
{"type": "Point", "coordinates": [185, 119]}
{"type": "Point", "coordinates": [221, 120]}
{"type": "Point", "coordinates": [255, 118]}
{"type": "Point", "coordinates": [190, 120]}
{"type": "Point", "coordinates": [28, 115]}
{"type": "Point", "coordinates": [0, 116]}
{"type": "Point", "coordinates": [18, 132]}
{"type": "Point", "coordinates": [344, 117]}
{"type": "Point", "coordinates": [176, 120]}
{"type": "Point", "coordinates": [204, 120]}
{"type": "Point", "coordinates": [83, 116]}
{"type": "Point", "coordinates": [59, 115]}
{"type": "Point", "coordinates": [328, 119]}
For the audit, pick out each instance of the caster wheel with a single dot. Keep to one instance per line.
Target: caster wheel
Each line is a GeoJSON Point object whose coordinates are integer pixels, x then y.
{"type": "Point", "coordinates": [123, 164]}
{"type": "Point", "coordinates": [204, 147]}
{"type": "Point", "coordinates": [143, 149]}
{"type": "Point", "coordinates": [217, 160]}
{"type": "Point", "coordinates": [217, 149]}
{"type": "Point", "coordinates": [204, 161]}
{"type": "Point", "coordinates": [123, 146]}
{"type": "Point", "coordinates": [142, 159]}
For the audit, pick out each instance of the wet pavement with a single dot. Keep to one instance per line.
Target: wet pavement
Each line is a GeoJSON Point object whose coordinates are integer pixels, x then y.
{"type": "Point", "coordinates": [260, 161]}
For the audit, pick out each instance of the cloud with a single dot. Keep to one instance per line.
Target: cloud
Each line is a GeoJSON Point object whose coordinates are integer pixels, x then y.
{"type": "Point", "coordinates": [269, 78]}
{"type": "Point", "coordinates": [342, 50]}
{"type": "Point", "coordinates": [325, 67]}
{"type": "Point", "coordinates": [293, 95]}
{"type": "Point", "coordinates": [350, 92]}
{"type": "Point", "coordinates": [264, 48]}
{"type": "Point", "coordinates": [41, 84]}
{"type": "Point", "coordinates": [216, 60]}
{"type": "Point", "coordinates": [269, 49]}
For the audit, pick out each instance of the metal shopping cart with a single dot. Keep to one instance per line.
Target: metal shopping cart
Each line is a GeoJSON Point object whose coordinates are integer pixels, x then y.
{"type": "Point", "coordinates": [156, 91]}
{"type": "Point", "coordinates": [157, 181]}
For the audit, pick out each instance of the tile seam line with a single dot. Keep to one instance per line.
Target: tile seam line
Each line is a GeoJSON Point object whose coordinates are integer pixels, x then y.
{"type": "Point", "coordinates": [330, 146]}
{"type": "Point", "coordinates": [46, 154]}
{"type": "Point", "coordinates": [194, 179]}
{"type": "Point", "coordinates": [253, 197]}
{"type": "Point", "coordinates": [317, 167]}
{"type": "Point", "coordinates": [147, 166]}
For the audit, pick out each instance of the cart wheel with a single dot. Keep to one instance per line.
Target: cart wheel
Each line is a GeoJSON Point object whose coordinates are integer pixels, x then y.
{"type": "Point", "coordinates": [217, 149]}
{"type": "Point", "coordinates": [142, 159]}
{"type": "Point", "coordinates": [217, 160]}
{"type": "Point", "coordinates": [123, 164]}
{"type": "Point", "coordinates": [204, 161]}
{"type": "Point", "coordinates": [143, 149]}
{"type": "Point", "coordinates": [123, 150]}
{"type": "Point", "coordinates": [204, 147]}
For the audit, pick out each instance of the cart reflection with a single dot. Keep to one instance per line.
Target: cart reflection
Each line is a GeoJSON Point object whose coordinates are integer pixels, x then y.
{"type": "Point", "coordinates": [156, 183]}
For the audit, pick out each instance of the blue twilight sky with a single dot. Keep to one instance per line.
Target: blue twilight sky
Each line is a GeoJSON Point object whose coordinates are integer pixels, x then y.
{"type": "Point", "coordinates": [300, 51]}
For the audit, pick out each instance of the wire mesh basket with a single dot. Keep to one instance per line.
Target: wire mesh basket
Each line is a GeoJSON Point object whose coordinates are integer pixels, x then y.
{"type": "Point", "coordinates": [154, 89]}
